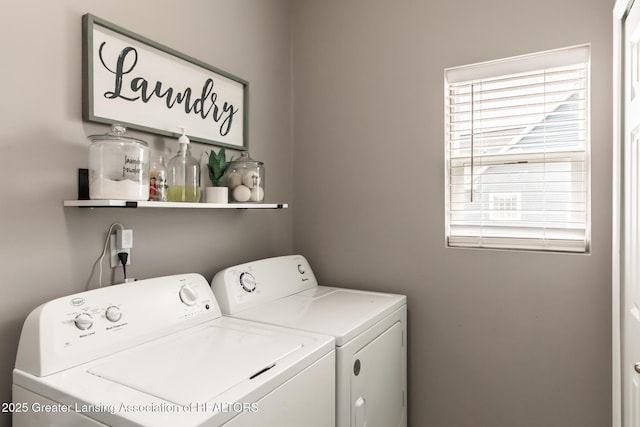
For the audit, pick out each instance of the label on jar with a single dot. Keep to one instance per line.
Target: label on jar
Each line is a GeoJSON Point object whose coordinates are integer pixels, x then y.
{"type": "Point", "coordinates": [133, 167]}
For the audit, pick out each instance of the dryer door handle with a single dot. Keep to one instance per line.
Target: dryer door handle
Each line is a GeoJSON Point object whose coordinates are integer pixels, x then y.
{"type": "Point", "coordinates": [360, 411]}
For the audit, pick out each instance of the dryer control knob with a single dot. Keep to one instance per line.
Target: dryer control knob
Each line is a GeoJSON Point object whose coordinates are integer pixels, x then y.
{"type": "Point", "coordinates": [83, 321]}
{"type": "Point", "coordinates": [248, 282]}
{"type": "Point", "coordinates": [188, 295]}
{"type": "Point", "coordinates": [113, 313]}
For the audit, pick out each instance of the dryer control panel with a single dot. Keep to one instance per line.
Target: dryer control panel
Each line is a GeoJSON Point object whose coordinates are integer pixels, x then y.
{"type": "Point", "coordinates": [75, 329]}
{"type": "Point", "coordinates": [254, 283]}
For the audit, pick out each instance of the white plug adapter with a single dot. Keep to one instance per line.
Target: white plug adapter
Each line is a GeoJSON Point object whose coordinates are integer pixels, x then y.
{"type": "Point", "coordinates": [124, 239]}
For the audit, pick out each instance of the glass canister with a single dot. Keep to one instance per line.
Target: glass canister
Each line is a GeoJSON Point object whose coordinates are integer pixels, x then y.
{"type": "Point", "coordinates": [118, 166]}
{"type": "Point", "coordinates": [245, 179]}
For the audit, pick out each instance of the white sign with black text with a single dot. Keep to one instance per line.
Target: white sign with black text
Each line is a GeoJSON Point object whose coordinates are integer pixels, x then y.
{"type": "Point", "coordinates": [131, 80]}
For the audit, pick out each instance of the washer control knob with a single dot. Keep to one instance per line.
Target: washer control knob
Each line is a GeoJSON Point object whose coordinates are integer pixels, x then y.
{"type": "Point", "coordinates": [113, 313]}
{"type": "Point", "coordinates": [301, 269]}
{"type": "Point", "coordinates": [83, 321]}
{"type": "Point", "coordinates": [188, 295]}
{"type": "Point", "coordinates": [248, 282]}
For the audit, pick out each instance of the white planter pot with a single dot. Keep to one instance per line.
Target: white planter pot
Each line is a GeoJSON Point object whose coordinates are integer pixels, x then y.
{"type": "Point", "coordinates": [217, 195]}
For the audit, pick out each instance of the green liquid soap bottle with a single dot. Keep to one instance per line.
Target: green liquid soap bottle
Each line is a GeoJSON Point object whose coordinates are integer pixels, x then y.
{"type": "Point", "coordinates": [183, 174]}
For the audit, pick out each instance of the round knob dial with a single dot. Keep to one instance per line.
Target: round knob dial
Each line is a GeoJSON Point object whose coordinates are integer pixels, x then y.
{"type": "Point", "coordinates": [113, 313]}
{"type": "Point", "coordinates": [248, 282]}
{"type": "Point", "coordinates": [83, 321]}
{"type": "Point", "coordinates": [188, 295]}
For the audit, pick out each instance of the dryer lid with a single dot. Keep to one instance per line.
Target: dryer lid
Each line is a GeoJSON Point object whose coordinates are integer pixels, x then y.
{"type": "Point", "coordinates": [197, 366]}
{"type": "Point", "coordinates": [341, 313]}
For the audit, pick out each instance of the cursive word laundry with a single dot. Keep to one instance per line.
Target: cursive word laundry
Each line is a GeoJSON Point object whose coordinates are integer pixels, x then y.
{"type": "Point", "coordinates": [138, 88]}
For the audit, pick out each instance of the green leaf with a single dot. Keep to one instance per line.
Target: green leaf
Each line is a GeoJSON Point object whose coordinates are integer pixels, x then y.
{"type": "Point", "coordinates": [217, 165]}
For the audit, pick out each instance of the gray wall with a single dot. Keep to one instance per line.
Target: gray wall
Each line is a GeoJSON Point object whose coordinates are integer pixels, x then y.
{"type": "Point", "coordinates": [496, 338]}
{"type": "Point", "coordinates": [47, 251]}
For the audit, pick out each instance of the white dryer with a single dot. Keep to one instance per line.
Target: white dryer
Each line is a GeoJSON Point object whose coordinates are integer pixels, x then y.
{"type": "Point", "coordinates": [369, 328]}
{"type": "Point", "coordinates": [158, 352]}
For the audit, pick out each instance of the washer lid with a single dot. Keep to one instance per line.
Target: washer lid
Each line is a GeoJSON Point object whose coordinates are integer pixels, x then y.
{"type": "Point", "coordinates": [196, 366]}
{"type": "Point", "coordinates": [341, 313]}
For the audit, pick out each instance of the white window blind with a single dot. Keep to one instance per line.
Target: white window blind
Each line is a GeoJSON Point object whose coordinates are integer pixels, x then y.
{"type": "Point", "coordinates": [517, 152]}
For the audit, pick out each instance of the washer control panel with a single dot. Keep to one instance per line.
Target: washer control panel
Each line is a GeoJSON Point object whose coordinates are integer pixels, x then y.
{"type": "Point", "coordinates": [85, 320]}
{"type": "Point", "coordinates": [251, 284]}
{"type": "Point", "coordinates": [81, 327]}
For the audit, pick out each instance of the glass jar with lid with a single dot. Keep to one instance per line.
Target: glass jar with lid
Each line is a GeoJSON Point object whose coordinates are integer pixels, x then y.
{"type": "Point", "coordinates": [245, 179]}
{"type": "Point", "coordinates": [118, 166]}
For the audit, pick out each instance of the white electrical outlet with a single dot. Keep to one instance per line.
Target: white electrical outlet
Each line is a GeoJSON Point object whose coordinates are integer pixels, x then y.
{"type": "Point", "coordinates": [115, 261]}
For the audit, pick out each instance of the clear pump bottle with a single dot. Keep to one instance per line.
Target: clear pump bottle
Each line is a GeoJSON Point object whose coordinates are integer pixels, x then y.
{"type": "Point", "coordinates": [183, 174]}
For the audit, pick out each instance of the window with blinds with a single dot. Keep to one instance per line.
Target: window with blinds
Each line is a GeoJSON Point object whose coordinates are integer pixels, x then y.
{"type": "Point", "coordinates": [517, 152]}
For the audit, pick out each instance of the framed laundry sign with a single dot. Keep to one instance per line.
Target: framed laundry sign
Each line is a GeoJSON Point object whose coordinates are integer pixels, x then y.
{"type": "Point", "coordinates": [144, 85]}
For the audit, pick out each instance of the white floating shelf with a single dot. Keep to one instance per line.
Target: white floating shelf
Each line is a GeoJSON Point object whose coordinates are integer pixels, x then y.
{"type": "Point", "coordinates": [179, 205]}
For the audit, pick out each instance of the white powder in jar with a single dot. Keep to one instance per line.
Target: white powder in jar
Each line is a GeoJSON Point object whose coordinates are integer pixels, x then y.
{"type": "Point", "coordinates": [125, 189]}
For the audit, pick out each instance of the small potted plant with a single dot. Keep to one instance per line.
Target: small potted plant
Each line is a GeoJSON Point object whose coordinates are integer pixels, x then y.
{"type": "Point", "coordinates": [217, 165]}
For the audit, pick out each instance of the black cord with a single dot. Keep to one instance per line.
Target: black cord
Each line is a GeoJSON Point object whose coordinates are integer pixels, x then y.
{"type": "Point", "coordinates": [123, 257]}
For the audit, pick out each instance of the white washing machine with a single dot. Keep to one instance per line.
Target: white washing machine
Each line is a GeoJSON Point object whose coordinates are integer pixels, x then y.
{"type": "Point", "coordinates": [369, 328]}
{"type": "Point", "coordinates": [158, 352]}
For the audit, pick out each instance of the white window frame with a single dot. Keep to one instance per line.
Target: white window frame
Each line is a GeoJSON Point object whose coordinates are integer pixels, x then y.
{"type": "Point", "coordinates": [463, 233]}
